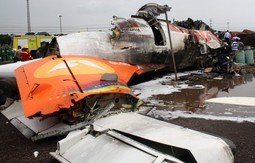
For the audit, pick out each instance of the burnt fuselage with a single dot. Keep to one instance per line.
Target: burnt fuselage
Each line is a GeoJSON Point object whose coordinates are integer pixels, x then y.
{"type": "Point", "coordinates": [137, 41]}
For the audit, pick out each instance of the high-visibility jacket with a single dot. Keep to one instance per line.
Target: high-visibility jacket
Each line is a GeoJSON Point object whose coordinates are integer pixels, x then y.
{"type": "Point", "coordinates": [25, 55]}
{"type": "Point", "coordinates": [234, 46]}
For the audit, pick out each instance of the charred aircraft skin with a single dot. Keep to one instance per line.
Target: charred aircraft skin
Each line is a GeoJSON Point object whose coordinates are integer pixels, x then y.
{"type": "Point", "coordinates": [143, 39]}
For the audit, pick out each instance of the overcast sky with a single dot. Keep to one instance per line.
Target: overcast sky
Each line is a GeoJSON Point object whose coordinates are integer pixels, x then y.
{"type": "Point", "coordinates": [83, 15]}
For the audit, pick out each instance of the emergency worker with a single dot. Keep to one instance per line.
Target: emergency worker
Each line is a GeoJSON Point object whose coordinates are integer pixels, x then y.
{"type": "Point", "coordinates": [241, 45]}
{"type": "Point", "coordinates": [25, 54]}
{"type": "Point", "coordinates": [227, 37]}
{"type": "Point", "coordinates": [235, 45]}
{"type": "Point", "coordinates": [16, 56]}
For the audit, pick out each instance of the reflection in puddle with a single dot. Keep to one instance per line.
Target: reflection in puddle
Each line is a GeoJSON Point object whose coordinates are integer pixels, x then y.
{"type": "Point", "coordinates": [203, 87]}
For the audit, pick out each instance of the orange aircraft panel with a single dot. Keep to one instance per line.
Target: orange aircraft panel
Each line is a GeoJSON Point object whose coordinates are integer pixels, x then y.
{"type": "Point", "coordinates": [47, 85]}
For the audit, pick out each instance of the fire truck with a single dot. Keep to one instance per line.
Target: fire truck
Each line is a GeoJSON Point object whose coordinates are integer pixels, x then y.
{"type": "Point", "coordinates": [32, 41]}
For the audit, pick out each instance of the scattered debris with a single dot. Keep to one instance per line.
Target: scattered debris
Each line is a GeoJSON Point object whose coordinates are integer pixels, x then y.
{"type": "Point", "coordinates": [36, 153]}
{"type": "Point", "coordinates": [117, 137]}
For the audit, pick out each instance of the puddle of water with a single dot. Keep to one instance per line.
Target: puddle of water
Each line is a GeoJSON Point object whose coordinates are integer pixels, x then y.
{"type": "Point", "coordinates": [229, 110]}
{"type": "Point", "coordinates": [192, 99]}
{"type": "Point", "coordinates": [244, 86]}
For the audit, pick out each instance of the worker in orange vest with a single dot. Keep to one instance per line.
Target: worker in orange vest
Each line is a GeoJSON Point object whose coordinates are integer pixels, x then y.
{"type": "Point", "coordinates": [25, 54]}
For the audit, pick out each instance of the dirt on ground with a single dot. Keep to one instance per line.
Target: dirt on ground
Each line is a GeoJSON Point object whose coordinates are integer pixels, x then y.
{"type": "Point", "coordinates": [249, 68]}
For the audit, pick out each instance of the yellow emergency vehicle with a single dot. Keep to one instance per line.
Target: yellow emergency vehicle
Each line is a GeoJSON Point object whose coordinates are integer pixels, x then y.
{"type": "Point", "coordinates": [33, 41]}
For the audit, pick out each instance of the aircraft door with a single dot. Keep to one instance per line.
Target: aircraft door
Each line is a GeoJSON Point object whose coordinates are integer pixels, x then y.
{"type": "Point", "coordinates": [159, 36]}
{"type": "Point", "coordinates": [149, 13]}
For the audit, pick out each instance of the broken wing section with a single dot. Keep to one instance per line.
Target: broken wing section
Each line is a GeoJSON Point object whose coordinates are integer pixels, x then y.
{"type": "Point", "coordinates": [115, 138]}
{"type": "Point", "coordinates": [56, 84]}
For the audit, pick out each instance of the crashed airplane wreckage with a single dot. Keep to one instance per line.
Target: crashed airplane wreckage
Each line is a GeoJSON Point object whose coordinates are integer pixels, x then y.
{"type": "Point", "coordinates": [88, 73]}
{"type": "Point", "coordinates": [92, 69]}
{"type": "Point", "coordinates": [79, 86]}
{"type": "Point", "coordinates": [145, 39]}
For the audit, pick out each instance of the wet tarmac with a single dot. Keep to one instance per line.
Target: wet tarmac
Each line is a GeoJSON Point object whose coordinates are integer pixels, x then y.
{"type": "Point", "coordinates": [203, 86]}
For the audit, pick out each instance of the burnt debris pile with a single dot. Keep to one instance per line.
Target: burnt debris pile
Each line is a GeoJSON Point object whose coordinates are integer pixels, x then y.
{"type": "Point", "coordinates": [191, 24]}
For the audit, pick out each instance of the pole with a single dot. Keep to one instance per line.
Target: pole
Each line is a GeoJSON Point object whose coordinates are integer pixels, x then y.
{"type": "Point", "coordinates": [28, 18]}
{"type": "Point", "coordinates": [211, 23]}
{"type": "Point", "coordinates": [171, 46]}
{"type": "Point", "coordinates": [60, 24]}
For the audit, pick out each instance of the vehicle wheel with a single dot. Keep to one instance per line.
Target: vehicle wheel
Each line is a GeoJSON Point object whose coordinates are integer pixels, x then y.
{"type": "Point", "coordinates": [8, 88]}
